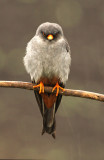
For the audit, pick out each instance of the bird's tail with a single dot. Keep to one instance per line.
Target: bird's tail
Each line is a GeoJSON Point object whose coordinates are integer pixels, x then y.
{"type": "Point", "coordinates": [49, 122]}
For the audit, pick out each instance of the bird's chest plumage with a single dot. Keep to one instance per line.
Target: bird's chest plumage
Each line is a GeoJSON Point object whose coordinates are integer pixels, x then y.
{"type": "Point", "coordinates": [50, 59]}
{"type": "Point", "coordinates": [47, 60]}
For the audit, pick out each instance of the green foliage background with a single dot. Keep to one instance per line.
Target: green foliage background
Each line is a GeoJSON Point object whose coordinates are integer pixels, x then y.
{"type": "Point", "coordinates": [80, 122]}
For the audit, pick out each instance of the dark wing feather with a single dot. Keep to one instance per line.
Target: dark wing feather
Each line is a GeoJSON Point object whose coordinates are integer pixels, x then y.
{"type": "Point", "coordinates": [59, 97]}
{"type": "Point", "coordinates": [39, 101]}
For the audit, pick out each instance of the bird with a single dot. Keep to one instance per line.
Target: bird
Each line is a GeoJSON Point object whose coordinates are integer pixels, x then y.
{"type": "Point", "coordinates": [48, 61]}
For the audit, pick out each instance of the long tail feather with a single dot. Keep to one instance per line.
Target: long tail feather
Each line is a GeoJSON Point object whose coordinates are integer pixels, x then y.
{"type": "Point", "coordinates": [49, 122]}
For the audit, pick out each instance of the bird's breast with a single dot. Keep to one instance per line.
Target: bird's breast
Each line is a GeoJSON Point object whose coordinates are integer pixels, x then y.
{"type": "Point", "coordinates": [47, 60]}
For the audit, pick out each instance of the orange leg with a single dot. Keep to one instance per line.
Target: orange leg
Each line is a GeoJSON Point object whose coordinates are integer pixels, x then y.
{"type": "Point", "coordinates": [58, 87]}
{"type": "Point", "coordinates": [41, 85]}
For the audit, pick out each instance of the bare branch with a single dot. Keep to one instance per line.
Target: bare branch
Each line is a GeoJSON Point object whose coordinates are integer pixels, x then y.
{"type": "Point", "coordinates": [67, 92]}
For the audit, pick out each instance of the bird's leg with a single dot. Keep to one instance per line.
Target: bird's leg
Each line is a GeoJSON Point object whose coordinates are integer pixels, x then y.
{"type": "Point", "coordinates": [41, 85]}
{"type": "Point", "coordinates": [57, 87]}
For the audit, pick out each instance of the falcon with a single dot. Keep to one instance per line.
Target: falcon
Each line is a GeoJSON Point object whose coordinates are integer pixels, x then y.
{"type": "Point", "coordinates": [48, 60]}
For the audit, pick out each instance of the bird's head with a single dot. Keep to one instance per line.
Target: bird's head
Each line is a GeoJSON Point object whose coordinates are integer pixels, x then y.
{"type": "Point", "coordinates": [49, 31]}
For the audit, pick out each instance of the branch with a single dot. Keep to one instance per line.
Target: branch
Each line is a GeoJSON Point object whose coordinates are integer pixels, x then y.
{"type": "Point", "coordinates": [67, 92]}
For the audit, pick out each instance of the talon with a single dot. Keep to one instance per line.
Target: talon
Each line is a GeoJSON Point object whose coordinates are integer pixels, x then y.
{"type": "Point", "coordinates": [41, 85]}
{"type": "Point", "coordinates": [58, 87]}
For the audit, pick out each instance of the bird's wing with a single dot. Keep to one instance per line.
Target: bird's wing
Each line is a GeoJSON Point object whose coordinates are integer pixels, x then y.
{"type": "Point", "coordinates": [39, 101]}
{"type": "Point", "coordinates": [59, 97]}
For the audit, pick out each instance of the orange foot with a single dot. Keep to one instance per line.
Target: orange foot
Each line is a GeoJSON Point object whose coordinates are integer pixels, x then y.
{"type": "Point", "coordinates": [57, 86]}
{"type": "Point", "coordinates": [41, 85]}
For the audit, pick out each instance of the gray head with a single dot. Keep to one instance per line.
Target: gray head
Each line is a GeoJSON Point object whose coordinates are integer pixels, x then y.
{"type": "Point", "coordinates": [49, 31]}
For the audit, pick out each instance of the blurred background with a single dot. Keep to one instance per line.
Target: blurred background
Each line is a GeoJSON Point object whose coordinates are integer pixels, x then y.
{"type": "Point", "coordinates": [80, 122]}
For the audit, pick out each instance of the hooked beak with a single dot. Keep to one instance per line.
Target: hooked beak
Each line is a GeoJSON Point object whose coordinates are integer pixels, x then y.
{"type": "Point", "coordinates": [50, 37]}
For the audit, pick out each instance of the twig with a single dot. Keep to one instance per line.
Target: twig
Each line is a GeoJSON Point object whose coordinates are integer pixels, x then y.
{"type": "Point", "coordinates": [67, 92]}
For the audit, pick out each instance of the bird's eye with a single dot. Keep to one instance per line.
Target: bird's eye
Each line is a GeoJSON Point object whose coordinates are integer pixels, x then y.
{"type": "Point", "coordinates": [44, 34]}
{"type": "Point", "coordinates": [56, 34]}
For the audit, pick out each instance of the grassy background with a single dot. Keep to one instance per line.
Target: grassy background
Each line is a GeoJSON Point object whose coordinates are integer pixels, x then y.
{"type": "Point", "coordinates": [80, 122]}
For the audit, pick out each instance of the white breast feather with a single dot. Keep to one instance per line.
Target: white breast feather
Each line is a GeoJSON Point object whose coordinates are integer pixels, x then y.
{"type": "Point", "coordinates": [46, 60]}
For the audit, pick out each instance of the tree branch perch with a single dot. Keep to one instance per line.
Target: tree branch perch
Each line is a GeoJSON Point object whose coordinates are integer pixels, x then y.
{"type": "Point", "coordinates": [67, 92]}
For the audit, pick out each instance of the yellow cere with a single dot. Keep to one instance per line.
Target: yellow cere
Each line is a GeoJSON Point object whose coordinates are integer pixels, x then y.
{"type": "Point", "coordinates": [50, 37]}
